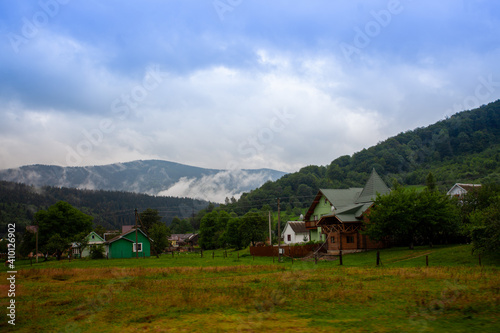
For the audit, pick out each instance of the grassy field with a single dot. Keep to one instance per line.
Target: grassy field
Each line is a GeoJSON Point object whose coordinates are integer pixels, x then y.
{"type": "Point", "coordinates": [187, 293]}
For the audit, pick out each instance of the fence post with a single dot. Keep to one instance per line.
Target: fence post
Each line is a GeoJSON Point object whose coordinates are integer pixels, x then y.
{"type": "Point", "coordinates": [426, 261]}
{"type": "Point", "coordinates": [340, 257]}
{"type": "Point", "coordinates": [378, 258]}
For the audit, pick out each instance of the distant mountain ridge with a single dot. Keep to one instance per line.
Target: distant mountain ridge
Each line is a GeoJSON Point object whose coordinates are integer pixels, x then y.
{"type": "Point", "coordinates": [153, 177]}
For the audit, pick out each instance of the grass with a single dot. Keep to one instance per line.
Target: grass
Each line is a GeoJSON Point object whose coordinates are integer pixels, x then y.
{"type": "Point", "coordinates": [192, 294]}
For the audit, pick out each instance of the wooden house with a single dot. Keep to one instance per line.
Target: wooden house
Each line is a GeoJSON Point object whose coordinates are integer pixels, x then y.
{"type": "Point", "coordinates": [93, 240]}
{"type": "Point", "coordinates": [337, 216]}
{"type": "Point", "coordinates": [295, 232]}
{"type": "Point", "coordinates": [125, 246]}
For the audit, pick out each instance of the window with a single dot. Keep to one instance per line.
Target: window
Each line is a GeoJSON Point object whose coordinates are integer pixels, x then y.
{"type": "Point", "coordinates": [332, 239]}
{"type": "Point", "coordinates": [350, 239]}
{"type": "Point", "coordinates": [289, 238]}
{"type": "Point", "coordinates": [139, 247]}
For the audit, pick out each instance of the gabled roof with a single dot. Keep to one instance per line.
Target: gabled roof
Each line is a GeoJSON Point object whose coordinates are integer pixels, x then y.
{"type": "Point", "coordinates": [182, 237]}
{"type": "Point", "coordinates": [299, 227]}
{"type": "Point", "coordinates": [342, 197]}
{"type": "Point", "coordinates": [97, 238]}
{"type": "Point", "coordinates": [125, 234]}
{"type": "Point", "coordinates": [463, 188]}
{"type": "Point", "coordinates": [352, 202]}
{"type": "Point", "coordinates": [374, 185]}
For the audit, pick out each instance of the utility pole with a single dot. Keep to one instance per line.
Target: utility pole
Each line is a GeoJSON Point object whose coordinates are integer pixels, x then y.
{"type": "Point", "coordinates": [279, 232]}
{"type": "Point", "coordinates": [136, 245]}
{"type": "Point", "coordinates": [270, 237]}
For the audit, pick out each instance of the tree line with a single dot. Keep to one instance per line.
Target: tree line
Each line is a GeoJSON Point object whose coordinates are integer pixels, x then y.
{"type": "Point", "coordinates": [110, 209]}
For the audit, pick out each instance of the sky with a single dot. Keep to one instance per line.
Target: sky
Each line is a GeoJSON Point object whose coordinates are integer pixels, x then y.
{"type": "Point", "coordinates": [232, 84]}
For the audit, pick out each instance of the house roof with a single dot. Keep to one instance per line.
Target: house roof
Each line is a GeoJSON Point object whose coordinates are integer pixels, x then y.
{"type": "Point", "coordinates": [97, 238]}
{"type": "Point", "coordinates": [352, 202]}
{"type": "Point", "coordinates": [125, 234]}
{"type": "Point", "coordinates": [374, 185]}
{"type": "Point", "coordinates": [299, 227]}
{"type": "Point", "coordinates": [464, 188]}
{"type": "Point", "coordinates": [182, 237]}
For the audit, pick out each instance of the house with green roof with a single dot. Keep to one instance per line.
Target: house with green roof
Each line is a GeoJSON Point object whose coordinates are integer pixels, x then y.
{"type": "Point", "coordinates": [337, 216]}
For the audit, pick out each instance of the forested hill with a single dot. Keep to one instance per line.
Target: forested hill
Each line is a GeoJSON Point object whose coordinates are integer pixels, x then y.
{"type": "Point", "coordinates": [111, 209]}
{"type": "Point", "coordinates": [462, 148]}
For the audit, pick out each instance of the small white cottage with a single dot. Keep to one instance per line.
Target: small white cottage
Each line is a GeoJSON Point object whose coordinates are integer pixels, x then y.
{"type": "Point", "coordinates": [295, 232]}
{"type": "Point", "coordinates": [459, 190]}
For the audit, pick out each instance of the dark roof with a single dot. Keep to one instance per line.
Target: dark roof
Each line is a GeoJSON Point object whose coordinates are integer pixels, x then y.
{"type": "Point", "coordinates": [126, 233]}
{"type": "Point", "coordinates": [299, 227]}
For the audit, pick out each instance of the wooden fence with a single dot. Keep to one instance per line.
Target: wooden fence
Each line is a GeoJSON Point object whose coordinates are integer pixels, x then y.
{"type": "Point", "coordinates": [297, 251]}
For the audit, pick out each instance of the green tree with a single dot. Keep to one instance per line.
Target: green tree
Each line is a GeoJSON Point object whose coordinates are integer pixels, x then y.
{"type": "Point", "coordinates": [253, 227]}
{"type": "Point", "coordinates": [149, 217]}
{"type": "Point", "coordinates": [61, 221]}
{"type": "Point", "coordinates": [430, 182]}
{"type": "Point", "coordinates": [159, 234]}
{"type": "Point", "coordinates": [234, 236]}
{"type": "Point", "coordinates": [408, 216]}
{"type": "Point", "coordinates": [179, 226]}
{"type": "Point", "coordinates": [57, 245]}
{"type": "Point", "coordinates": [212, 230]}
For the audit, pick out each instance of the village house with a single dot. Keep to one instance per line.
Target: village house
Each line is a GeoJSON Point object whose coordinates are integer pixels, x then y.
{"type": "Point", "coordinates": [337, 216]}
{"type": "Point", "coordinates": [177, 240]}
{"type": "Point", "coordinates": [295, 232]}
{"type": "Point", "coordinates": [459, 190]}
{"type": "Point", "coordinates": [93, 240]}
{"type": "Point", "coordinates": [125, 246]}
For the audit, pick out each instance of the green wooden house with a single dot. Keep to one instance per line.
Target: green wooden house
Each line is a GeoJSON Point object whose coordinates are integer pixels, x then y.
{"type": "Point", "coordinates": [124, 245]}
{"type": "Point", "coordinates": [93, 240]}
{"type": "Point", "coordinates": [337, 216]}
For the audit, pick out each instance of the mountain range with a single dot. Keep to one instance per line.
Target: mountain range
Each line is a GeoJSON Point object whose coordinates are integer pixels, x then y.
{"type": "Point", "coordinates": [153, 177]}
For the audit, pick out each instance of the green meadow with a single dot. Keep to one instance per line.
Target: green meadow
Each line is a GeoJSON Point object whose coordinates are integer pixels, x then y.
{"type": "Point", "coordinates": [240, 293]}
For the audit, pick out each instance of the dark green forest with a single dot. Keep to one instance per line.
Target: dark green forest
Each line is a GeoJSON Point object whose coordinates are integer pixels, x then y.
{"type": "Point", "coordinates": [110, 209]}
{"type": "Point", "coordinates": [462, 148]}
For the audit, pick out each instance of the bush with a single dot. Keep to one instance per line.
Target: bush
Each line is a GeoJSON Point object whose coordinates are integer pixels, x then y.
{"type": "Point", "coordinates": [97, 252]}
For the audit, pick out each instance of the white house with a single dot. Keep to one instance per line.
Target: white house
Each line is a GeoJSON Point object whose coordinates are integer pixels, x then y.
{"type": "Point", "coordinates": [295, 232]}
{"type": "Point", "coordinates": [460, 190]}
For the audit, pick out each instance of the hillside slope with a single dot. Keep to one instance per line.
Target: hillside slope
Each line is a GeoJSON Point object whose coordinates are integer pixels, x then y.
{"type": "Point", "coordinates": [462, 148]}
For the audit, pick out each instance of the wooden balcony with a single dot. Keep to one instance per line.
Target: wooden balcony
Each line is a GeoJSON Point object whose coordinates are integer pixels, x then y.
{"type": "Point", "coordinates": [311, 224]}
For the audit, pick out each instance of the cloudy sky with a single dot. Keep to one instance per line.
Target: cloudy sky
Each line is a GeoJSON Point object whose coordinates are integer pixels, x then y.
{"type": "Point", "coordinates": [234, 84]}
